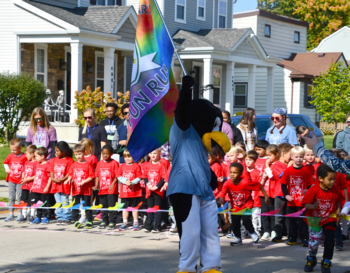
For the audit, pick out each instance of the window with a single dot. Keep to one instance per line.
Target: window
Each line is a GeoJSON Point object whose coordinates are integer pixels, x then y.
{"type": "Point", "coordinates": [307, 96]}
{"type": "Point", "coordinates": [240, 95]}
{"type": "Point", "coordinates": [41, 63]}
{"type": "Point", "coordinates": [217, 85]}
{"type": "Point", "coordinates": [201, 10]}
{"type": "Point", "coordinates": [178, 74]}
{"type": "Point", "coordinates": [100, 69]}
{"type": "Point", "coordinates": [180, 11]}
{"type": "Point", "coordinates": [101, 2]}
{"type": "Point", "coordinates": [296, 37]}
{"type": "Point", "coordinates": [268, 31]}
{"type": "Point", "coordinates": [222, 14]}
{"type": "Point", "coordinates": [297, 121]}
{"type": "Point", "coordinates": [106, 2]}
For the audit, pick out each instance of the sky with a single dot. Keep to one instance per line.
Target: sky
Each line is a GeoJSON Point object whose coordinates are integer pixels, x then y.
{"type": "Point", "coordinates": [243, 5]}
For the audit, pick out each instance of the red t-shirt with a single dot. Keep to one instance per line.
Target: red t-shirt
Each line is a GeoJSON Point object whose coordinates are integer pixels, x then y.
{"type": "Point", "coordinates": [79, 172]}
{"type": "Point", "coordinates": [216, 168]}
{"type": "Point", "coordinates": [142, 182]}
{"type": "Point", "coordinates": [60, 168]}
{"type": "Point", "coordinates": [42, 176]}
{"type": "Point", "coordinates": [165, 163]}
{"type": "Point", "coordinates": [16, 166]}
{"type": "Point", "coordinates": [154, 173]}
{"type": "Point", "coordinates": [297, 180]}
{"type": "Point", "coordinates": [107, 172]}
{"type": "Point", "coordinates": [92, 160]}
{"type": "Point", "coordinates": [130, 172]}
{"type": "Point", "coordinates": [241, 194]}
{"type": "Point", "coordinates": [29, 171]}
{"type": "Point", "coordinates": [327, 203]}
{"type": "Point", "coordinates": [277, 170]}
{"type": "Point", "coordinates": [313, 168]}
{"type": "Point", "coordinates": [255, 177]}
{"type": "Point", "coordinates": [225, 170]}
{"type": "Point", "coordinates": [260, 164]}
{"type": "Point", "coordinates": [270, 184]}
{"type": "Point", "coordinates": [166, 179]}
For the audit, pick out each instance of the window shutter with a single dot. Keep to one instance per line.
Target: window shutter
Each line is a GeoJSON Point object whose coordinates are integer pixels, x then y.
{"type": "Point", "coordinates": [93, 2]}
{"type": "Point", "coordinates": [119, 2]}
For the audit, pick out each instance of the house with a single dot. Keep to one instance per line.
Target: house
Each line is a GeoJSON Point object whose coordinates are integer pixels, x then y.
{"type": "Point", "coordinates": [339, 41]}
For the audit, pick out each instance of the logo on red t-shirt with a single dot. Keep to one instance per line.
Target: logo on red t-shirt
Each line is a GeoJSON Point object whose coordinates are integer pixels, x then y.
{"type": "Point", "coordinates": [38, 179]}
{"type": "Point", "coordinates": [16, 170]}
{"type": "Point", "coordinates": [153, 177]}
{"type": "Point", "coordinates": [59, 170]}
{"type": "Point", "coordinates": [78, 177]}
{"type": "Point", "coordinates": [106, 177]}
{"type": "Point", "coordinates": [296, 187]}
{"type": "Point", "coordinates": [238, 199]}
{"type": "Point", "coordinates": [323, 209]}
{"type": "Point", "coordinates": [28, 171]}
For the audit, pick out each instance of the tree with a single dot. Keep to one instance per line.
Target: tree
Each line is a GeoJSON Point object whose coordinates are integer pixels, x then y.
{"type": "Point", "coordinates": [324, 16]}
{"type": "Point", "coordinates": [331, 93]}
{"type": "Point", "coordinates": [19, 95]}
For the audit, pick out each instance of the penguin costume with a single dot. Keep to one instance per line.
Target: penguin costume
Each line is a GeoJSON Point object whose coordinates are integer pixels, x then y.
{"type": "Point", "coordinates": [195, 132]}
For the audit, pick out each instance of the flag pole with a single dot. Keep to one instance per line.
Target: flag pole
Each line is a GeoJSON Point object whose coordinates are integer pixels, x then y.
{"type": "Point", "coordinates": [171, 39]}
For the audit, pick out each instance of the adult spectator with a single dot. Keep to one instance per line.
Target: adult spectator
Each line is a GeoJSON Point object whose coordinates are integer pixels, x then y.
{"type": "Point", "coordinates": [41, 133]}
{"type": "Point", "coordinates": [92, 130]}
{"type": "Point", "coordinates": [237, 135]}
{"type": "Point", "coordinates": [111, 122]}
{"type": "Point", "coordinates": [280, 132]}
{"type": "Point", "coordinates": [248, 129]}
{"type": "Point", "coordinates": [343, 137]}
{"type": "Point", "coordinates": [121, 134]}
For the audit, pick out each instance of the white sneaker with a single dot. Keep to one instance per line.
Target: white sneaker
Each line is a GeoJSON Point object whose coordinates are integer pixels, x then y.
{"type": "Point", "coordinates": [265, 237]}
{"type": "Point", "coordinates": [236, 242]}
{"type": "Point", "coordinates": [230, 235]}
{"type": "Point", "coordinates": [273, 234]}
{"type": "Point", "coordinates": [255, 238]}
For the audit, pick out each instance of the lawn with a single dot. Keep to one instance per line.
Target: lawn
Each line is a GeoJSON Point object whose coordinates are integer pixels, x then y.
{"type": "Point", "coordinates": [328, 141]}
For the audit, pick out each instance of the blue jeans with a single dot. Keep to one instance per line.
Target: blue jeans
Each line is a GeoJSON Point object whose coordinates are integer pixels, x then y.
{"type": "Point", "coordinates": [338, 235]}
{"type": "Point", "coordinates": [63, 214]}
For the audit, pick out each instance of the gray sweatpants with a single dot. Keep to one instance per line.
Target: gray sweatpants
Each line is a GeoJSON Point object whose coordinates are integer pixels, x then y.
{"type": "Point", "coordinates": [15, 193]}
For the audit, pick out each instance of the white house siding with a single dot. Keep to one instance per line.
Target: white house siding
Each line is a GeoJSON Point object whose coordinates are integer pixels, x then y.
{"type": "Point", "coordinates": [223, 85]}
{"type": "Point", "coordinates": [84, 3]}
{"type": "Point", "coordinates": [282, 88]}
{"type": "Point", "coordinates": [127, 31]}
{"type": "Point", "coordinates": [15, 19]}
{"type": "Point", "coordinates": [281, 43]}
{"type": "Point", "coordinates": [229, 13]}
{"type": "Point", "coordinates": [245, 22]}
{"type": "Point", "coordinates": [246, 50]}
{"type": "Point", "coordinates": [337, 42]}
{"type": "Point", "coordinates": [61, 3]}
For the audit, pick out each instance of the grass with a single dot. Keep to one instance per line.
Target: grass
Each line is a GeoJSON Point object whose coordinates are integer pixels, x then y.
{"type": "Point", "coordinates": [328, 141]}
{"type": "Point", "coordinates": [4, 199]}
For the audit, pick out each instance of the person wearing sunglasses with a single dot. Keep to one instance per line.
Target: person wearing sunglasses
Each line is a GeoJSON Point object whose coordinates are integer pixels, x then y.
{"type": "Point", "coordinates": [41, 133]}
{"type": "Point", "coordinates": [342, 140]}
{"type": "Point", "coordinates": [119, 142]}
{"type": "Point", "coordinates": [92, 130]}
{"type": "Point", "coordinates": [280, 132]}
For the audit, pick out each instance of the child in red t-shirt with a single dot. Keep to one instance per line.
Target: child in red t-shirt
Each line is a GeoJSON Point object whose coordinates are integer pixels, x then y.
{"type": "Point", "coordinates": [28, 176]}
{"type": "Point", "coordinates": [255, 176]}
{"type": "Point", "coordinates": [129, 175]}
{"type": "Point", "coordinates": [154, 174]}
{"type": "Point", "coordinates": [240, 193]}
{"type": "Point", "coordinates": [310, 161]}
{"type": "Point", "coordinates": [42, 185]}
{"type": "Point", "coordinates": [106, 182]}
{"type": "Point", "coordinates": [81, 176]}
{"type": "Point", "coordinates": [295, 182]}
{"type": "Point", "coordinates": [274, 173]}
{"type": "Point", "coordinates": [321, 200]}
{"type": "Point", "coordinates": [260, 147]}
{"type": "Point", "coordinates": [14, 166]}
{"type": "Point", "coordinates": [60, 166]}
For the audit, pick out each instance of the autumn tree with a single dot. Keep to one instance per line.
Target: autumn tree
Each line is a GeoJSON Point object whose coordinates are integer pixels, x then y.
{"type": "Point", "coordinates": [331, 93]}
{"type": "Point", "coordinates": [324, 16]}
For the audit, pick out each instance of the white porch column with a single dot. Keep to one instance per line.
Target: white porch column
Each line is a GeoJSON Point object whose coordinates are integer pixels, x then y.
{"type": "Point", "coordinates": [270, 88]}
{"type": "Point", "coordinates": [251, 85]}
{"type": "Point", "coordinates": [108, 83]}
{"type": "Point", "coordinates": [208, 78]}
{"type": "Point", "coordinates": [230, 86]}
{"type": "Point", "coordinates": [76, 75]}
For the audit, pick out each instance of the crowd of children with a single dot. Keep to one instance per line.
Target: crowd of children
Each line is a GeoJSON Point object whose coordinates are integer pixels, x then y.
{"type": "Point", "coordinates": [271, 179]}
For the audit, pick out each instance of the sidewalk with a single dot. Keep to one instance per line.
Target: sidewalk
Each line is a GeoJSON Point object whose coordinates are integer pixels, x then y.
{"type": "Point", "coordinates": [4, 192]}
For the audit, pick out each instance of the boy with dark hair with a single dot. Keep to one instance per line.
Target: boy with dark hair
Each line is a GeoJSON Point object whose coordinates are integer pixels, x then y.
{"type": "Point", "coordinates": [111, 122]}
{"type": "Point", "coordinates": [260, 148]}
{"type": "Point", "coordinates": [321, 200]}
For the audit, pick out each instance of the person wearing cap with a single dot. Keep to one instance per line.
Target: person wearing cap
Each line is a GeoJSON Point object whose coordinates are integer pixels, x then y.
{"type": "Point", "coordinates": [280, 132]}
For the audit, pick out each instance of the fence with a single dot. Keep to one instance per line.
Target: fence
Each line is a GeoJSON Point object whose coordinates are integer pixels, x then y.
{"type": "Point", "coordinates": [330, 126]}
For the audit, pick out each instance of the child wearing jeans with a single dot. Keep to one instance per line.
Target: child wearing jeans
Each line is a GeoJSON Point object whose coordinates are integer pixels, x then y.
{"type": "Point", "coordinates": [321, 200]}
{"type": "Point", "coordinates": [60, 166]}
{"type": "Point", "coordinates": [14, 166]}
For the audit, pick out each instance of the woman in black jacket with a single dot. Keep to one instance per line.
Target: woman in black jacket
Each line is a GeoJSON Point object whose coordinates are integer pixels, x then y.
{"type": "Point", "coordinates": [237, 133]}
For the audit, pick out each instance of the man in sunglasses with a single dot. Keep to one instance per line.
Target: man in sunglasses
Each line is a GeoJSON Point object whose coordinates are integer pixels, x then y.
{"type": "Point", "coordinates": [342, 139]}
{"type": "Point", "coordinates": [111, 122]}
{"type": "Point", "coordinates": [121, 134]}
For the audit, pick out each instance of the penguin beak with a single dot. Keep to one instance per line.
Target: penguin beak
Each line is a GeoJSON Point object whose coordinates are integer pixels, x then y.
{"type": "Point", "coordinates": [219, 138]}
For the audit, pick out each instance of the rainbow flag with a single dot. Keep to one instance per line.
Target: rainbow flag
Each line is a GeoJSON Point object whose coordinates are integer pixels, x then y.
{"type": "Point", "coordinates": [153, 93]}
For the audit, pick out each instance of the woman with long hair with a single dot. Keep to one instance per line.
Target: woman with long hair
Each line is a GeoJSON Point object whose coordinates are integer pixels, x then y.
{"type": "Point", "coordinates": [280, 132]}
{"type": "Point", "coordinates": [41, 133]}
{"type": "Point", "coordinates": [237, 135]}
{"type": "Point", "coordinates": [248, 128]}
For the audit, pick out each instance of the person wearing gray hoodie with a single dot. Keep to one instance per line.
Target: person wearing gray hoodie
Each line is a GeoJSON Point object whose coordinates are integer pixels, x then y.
{"type": "Point", "coordinates": [343, 137]}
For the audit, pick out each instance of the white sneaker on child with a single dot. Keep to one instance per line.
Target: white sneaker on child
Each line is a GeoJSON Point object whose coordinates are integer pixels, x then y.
{"type": "Point", "coordinates": [273, 234]}
{"type": "Point", "coordinates": [265, 237]}
{"type": "Point", "coordinates": [255, 237]}
{"type": "Point", "coordinates": [236, 242]}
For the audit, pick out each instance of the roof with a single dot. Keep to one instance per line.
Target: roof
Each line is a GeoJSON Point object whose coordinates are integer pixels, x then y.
{"type": "Point", "coordinates": [95, 18]}
{"type": "Point", "coordinates": [270, 15]}
{"type": "Point", "coordinates": [310, 64]}
{"type": "Point", "coordinates": [218, 37]}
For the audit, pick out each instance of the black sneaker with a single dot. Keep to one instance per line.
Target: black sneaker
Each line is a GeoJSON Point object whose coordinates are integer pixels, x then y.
{"type": "Point", "coordinates": [102, 225]}
{"type": "Point", "coordinates": [311, 262]}
{"type": "Point", "coordinates": [88, 225]}
{"type": "Point", "coordinates": [345, 238]}
{"type": "Point", "coordinates": [291, 241]}
{"type": "Point", "coordinates": [277, 238]}
{"type": "Point", "coordinates": [77, 224]}
{"type": "Point", "coordinates": [326, 266]}
{"type": "Point", "coordinates": [304, 243]}
{"type": "Point", "coordinates": [111, 226]}
{"type": "Point", "coordinates": [339, 245]}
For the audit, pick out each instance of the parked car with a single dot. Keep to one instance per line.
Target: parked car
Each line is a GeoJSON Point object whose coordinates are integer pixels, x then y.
{"type": "Point", "coordinates": [264, 122]}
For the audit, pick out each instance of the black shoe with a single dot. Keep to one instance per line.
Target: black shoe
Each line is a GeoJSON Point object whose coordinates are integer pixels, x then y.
{"type": "Point", "coordinates": [277, 238]}
{"type": "Point", "coordinates": [304, 243]}
{"type": "Point", "coordinates": [326, 266]}
{"type": "Point", "coordinates": [291, 241]}
{"type": "Point", "coordinates": [339, 245]}
{"type": "Point", "coordinates": [345, 238]}
{"type": "Point", "coordinates": [311, 262]}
